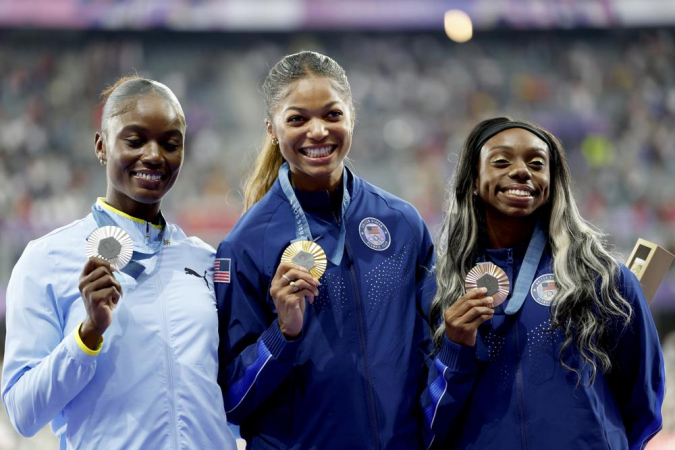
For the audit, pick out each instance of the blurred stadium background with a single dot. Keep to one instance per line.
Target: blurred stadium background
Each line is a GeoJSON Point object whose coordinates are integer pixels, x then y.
{"type": "Point", "coordinates": [600, 74]}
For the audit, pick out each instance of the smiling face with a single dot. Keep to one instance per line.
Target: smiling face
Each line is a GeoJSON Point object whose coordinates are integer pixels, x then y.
{"type": "Point", "coordinates": [314, 128]}
{"type": "Point", "coordinates": [513, 174]}
{"type": "Point", "coordinates": [144, 152]}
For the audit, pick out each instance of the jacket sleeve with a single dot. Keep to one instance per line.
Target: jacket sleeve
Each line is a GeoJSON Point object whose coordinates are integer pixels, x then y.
{"type": "Point", "coordinates": [43, 368]}
{"type": "Point", "coordinates": [638, 374]}
{"type": "Point", "coordinates": [451, 378]}
{"type": "Point", "coordinates": [254, 355]}
{"type": "Point", "coordinates": [451, 373]}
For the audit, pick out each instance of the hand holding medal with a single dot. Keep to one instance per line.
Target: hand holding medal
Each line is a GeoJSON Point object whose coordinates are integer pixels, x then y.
{"type": "Point", "coordinates": [486, 287]}
{"type": "Point", "coordinates": [109, 249]}
{"type": "Point", "coordinates": [296, 280]}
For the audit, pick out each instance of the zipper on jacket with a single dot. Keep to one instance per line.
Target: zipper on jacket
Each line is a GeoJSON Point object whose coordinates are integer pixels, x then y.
{"type": "Point", "coordinates": [509, 267]}
{"type": "Point", "coordinates": [521, 400]}
{"type": "Point", "coordinates": [147, 232]}
{"type": "Point", "coordinates": [364, 349]}
{"type": "Point", "coordinates": [172, 393]}
{"type": "Point", "coordinates": [335, 216]}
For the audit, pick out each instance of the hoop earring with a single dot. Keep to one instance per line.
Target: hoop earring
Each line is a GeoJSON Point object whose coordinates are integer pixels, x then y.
{"type": "Point", "coordinates": [275, 141]}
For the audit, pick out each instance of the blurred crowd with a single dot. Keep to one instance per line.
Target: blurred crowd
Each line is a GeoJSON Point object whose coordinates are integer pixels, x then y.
{"type": "Point", "coordinates": [608, 95]}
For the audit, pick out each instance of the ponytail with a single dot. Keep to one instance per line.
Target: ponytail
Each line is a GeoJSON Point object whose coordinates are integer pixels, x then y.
{"type": "Point", "coordinates": [264, 173]}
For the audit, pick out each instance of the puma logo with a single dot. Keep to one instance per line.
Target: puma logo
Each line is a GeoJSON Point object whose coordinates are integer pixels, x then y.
{"type": "Point", "coordinates": [189, 271]}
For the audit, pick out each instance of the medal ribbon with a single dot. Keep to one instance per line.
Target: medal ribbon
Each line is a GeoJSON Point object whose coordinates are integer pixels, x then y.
{"type": "Point", "coordinates": [133, 268]}
{"type": "Point", "coordinates": [302, 231]}
{"type": "Point", "coordinates": [527, 270]}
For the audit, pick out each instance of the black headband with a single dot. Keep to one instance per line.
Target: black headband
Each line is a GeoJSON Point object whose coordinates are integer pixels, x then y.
{"type": "Point", "coordinates": [501, 126]}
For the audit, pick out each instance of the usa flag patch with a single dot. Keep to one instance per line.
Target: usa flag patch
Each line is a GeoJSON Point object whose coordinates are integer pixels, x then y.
{"type": "Point", "coordinates": [544, 289]}
{"type": "Point", "coordinates": [221, 270]}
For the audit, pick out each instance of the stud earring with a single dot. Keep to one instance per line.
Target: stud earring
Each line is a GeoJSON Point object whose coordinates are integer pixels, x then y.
{"type": "Point", "coordinates": [102, 161]}
{"type": "Point", "coordinates": [475, 192]}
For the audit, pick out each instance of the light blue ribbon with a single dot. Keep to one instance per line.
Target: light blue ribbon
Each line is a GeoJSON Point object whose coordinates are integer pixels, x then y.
{"type": "Point", "coordinates": [302, 231]}
{"type": "Point", "coordinates": [527, 270]}
{"type": "Point", "coordinates": [134, 269]}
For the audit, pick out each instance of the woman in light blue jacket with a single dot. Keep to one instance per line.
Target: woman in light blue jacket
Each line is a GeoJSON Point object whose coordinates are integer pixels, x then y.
{"type": "Point", "coordinates": [120, 358]}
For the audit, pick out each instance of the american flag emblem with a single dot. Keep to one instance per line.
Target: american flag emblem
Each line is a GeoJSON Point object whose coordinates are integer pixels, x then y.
{"type": "Point", "coordinates": [221, 270]}
{"type": "Point", "coordinates": [548, 286]}
{"type": "Point", "coordinates": [371, 228]}
{"type": "Point", "coordinates": [544, 289]}
{"type": "Point", "coordinates": [374, 234]}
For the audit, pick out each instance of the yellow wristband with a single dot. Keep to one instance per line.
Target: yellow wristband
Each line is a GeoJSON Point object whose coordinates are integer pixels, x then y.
{"type": "Point", "coordinates": [82, 345]}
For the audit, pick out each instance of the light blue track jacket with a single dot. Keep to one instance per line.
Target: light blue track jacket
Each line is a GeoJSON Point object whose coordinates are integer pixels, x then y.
{"type": "Point", "coordinates": [153, 383]}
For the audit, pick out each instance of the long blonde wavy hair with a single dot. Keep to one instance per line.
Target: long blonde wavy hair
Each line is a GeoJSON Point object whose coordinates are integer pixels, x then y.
{"type": "Point", "coordinates": [587, 301]}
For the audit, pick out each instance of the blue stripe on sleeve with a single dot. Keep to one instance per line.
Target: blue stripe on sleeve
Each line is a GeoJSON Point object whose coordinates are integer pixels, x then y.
{"type": "Point", "coordinates": [239, 390]}
{"type": "Point", "coordinates": [436, 391]}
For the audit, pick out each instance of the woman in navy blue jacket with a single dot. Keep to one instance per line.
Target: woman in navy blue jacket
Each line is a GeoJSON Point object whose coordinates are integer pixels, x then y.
{"type": "Point", "coordinates": [571, 358]}
{"type": "Point", "coordinates": [338, 361]}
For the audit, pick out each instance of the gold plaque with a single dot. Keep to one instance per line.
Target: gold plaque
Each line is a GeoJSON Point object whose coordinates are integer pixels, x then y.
{"type": "Point", "coordinates": [307, 254]}
{"type": "Point", "coordinates": [650, 264]}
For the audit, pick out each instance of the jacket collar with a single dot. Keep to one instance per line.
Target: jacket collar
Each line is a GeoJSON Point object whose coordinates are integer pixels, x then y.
{"type": "Point", "coordinates": [500, 256]}
{"type": "Point", "coordinates": [144, 234]}
{"type": "Point", "coordinates": [321, 200]}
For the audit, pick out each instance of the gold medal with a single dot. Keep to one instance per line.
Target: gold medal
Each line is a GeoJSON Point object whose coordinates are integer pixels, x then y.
{"type": "Point", "coordinates": [307, 254]}
{"type": "Point", "coordinates": [489, 276]}
{"type": "Point", "coordinates": [112, 244]}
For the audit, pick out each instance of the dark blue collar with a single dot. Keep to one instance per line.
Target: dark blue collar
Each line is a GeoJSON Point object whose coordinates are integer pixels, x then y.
{"type": "Point", "coordinates": [500, 256]}
{"type": "Point", "coordinates": [322, 200]}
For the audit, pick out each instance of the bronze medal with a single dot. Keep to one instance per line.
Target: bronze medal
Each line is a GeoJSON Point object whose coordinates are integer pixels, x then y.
{"type": "Point", "coordinates": [492, 277]}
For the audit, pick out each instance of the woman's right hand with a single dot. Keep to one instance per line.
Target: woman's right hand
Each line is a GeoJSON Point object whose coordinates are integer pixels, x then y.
{"type": "Point", "coordinates": [290, 285]}
{"type": "Point", "coordinates": [100, 292]}
{"type": "Point", "coordinates": [466, 314]}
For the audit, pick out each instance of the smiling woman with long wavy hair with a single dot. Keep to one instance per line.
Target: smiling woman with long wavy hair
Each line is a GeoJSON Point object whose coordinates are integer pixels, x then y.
{"type": "Point", "coordinates": [567, 356]}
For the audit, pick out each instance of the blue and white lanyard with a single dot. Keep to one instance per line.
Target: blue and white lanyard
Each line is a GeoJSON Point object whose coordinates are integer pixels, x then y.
{"type": "Point", "coordinates": [528, 270]}
{"type": "Point", "coordinates": [302, 231]}
{"type": "Point", "coordinates": [133, 268]}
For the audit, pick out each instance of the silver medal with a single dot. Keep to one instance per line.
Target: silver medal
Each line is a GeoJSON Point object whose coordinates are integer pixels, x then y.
{"type": "Point", "coordinates": [112, 244]}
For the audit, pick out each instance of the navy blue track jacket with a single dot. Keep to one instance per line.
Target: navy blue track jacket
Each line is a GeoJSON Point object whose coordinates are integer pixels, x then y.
{"type": "Point", "coordinates": [355, 376]}
{"type": "Point", "coordinates": [511, 392]}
